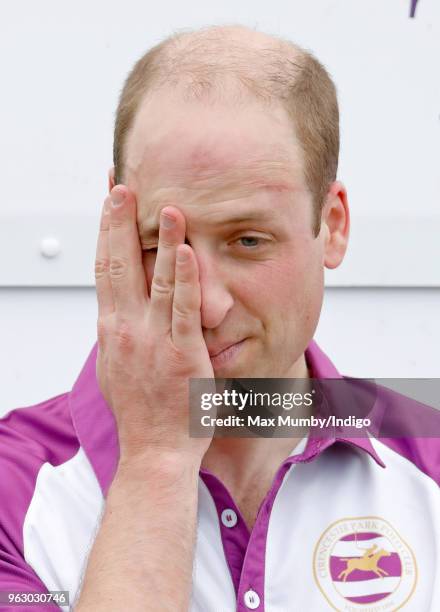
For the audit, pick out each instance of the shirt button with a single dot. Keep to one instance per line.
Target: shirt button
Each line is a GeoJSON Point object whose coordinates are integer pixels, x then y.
{"type": "Point", "coordinates": [229, 518]}
{"type": "Point", "coordinates": [251, 600]}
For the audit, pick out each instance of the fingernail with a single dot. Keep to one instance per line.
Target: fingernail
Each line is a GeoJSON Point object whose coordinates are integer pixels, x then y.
{"type": "Point", "coordinates": [117, 197]}
{"type": "Point", "coordinates": [167, 222]}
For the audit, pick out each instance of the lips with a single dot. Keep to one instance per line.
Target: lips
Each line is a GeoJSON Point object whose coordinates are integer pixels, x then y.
{"type": "Point", "coordinates": [216, 350]}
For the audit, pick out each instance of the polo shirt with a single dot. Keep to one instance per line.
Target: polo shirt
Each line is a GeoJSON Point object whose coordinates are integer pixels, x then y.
{"type": "Point", "coordinates": [348, 523]}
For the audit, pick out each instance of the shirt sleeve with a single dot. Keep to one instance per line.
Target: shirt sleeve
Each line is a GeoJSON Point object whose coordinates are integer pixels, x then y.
{"type": "Point", "coordinates": [16, 576]}
{"type": "Point", "coordinates": [21, 458]}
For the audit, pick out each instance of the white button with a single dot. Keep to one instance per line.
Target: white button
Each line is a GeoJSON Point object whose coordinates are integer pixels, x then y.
{"type": "Point", "coordinates": [251, 600]}
{"type": "Point", "coordinates": [50, 247]}
{"type": "Point", "coordinates": [229, 518]}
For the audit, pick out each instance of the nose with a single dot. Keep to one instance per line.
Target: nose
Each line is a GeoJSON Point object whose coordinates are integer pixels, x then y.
{"type": "Point", "coordinates": [217, 300]}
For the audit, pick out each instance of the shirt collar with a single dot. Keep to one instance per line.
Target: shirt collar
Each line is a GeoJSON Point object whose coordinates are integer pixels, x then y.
{"type": "Point", "coordinates": [96, 428]}
{"type": "Point", "coordinates": [320, 366]}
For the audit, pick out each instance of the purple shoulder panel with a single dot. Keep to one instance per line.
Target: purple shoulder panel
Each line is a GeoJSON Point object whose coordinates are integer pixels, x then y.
{"type": "Point", "coordinates": [410, 428]}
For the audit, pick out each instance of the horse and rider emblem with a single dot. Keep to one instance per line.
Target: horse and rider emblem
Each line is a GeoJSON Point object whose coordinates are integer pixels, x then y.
{"type": "Point", "coordinates": [361, 563]}
{"type": "Point", "coordinates": [367, 563]}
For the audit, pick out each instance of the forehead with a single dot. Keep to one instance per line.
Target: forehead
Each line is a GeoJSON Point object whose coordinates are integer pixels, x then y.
{"type": "Point", "coordinates": [207, 154]}
{"type": "Point", "coordinates": [195, 139]}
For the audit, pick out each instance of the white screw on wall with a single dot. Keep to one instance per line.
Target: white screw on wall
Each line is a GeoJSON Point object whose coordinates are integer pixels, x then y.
{"type": "Point", "coordinates": [50, 247]}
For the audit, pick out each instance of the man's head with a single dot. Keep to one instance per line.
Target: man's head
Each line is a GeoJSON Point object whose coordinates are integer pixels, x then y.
{"type": "Point", "coordinates": [235, 64]}
{"type": "Point", "coordinates": [228, 122]}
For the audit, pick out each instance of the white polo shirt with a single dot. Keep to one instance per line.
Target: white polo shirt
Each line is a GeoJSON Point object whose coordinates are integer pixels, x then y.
{"type": "Point", "coordinates": [348, 524]}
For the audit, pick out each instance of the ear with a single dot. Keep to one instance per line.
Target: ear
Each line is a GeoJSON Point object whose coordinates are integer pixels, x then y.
{"type": "Point", "coordinates": [335, 222]}
{"type": "Point", "coordinates": [111, 178]}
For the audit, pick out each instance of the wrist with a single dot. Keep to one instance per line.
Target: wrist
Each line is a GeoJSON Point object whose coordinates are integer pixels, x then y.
{"type": "Point", "coordinates": [165, 463]}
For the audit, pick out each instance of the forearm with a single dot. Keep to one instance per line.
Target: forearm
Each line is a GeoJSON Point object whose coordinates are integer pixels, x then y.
{"type": "Point", "coordinates": [143, 554]}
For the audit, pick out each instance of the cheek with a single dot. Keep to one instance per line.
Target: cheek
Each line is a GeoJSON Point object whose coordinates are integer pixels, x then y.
{"type": "Point", "coordinates": [286, 293]}
{"type": "Point", "coordinates": [285, 282]}
{"type": "Point", "coordinates": [267, 285]}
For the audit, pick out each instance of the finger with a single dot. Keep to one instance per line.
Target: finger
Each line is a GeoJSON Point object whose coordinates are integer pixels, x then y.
{"type": "Point", "coordinates": [126, 272]}
{"type": "Point", "coordinates": [103, 285]}
{"type": "Point", "coordinates": [171, 234]}
{"type": "Point", "coordinates": [186, 318]}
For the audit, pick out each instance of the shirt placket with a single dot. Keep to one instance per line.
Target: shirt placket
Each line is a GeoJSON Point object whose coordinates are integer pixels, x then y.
{"type": "Point", "coordinates": [245, 551]}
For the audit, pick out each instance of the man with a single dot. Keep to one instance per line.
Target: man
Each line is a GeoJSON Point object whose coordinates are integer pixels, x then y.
{"type": "Point", "coordinates": [223, 211]}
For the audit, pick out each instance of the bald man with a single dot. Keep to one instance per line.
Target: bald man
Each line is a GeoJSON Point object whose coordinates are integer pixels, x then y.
{"type": "Point", "coordinates": [223, 211]}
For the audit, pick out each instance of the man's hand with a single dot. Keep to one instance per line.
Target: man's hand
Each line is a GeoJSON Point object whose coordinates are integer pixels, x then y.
{"type": "Point", "coordinates": [148, 346]}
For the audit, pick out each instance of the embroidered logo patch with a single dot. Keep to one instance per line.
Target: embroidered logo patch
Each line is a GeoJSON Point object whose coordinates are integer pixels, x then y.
{"type": "Point", "coordinates": [362, 563]}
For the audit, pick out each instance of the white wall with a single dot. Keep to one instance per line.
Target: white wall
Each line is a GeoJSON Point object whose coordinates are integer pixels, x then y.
{"type": "Point", "coordinates": [62, 67]}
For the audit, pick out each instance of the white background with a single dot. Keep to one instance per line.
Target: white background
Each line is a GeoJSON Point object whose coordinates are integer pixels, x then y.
{"type": "Point", "coordinates": [62, 67]}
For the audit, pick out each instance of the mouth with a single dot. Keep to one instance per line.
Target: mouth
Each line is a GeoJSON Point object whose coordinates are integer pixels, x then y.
{"type": "Point", "coordinates": [227, 354]}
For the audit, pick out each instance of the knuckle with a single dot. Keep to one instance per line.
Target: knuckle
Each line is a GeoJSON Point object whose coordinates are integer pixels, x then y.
{"type": "Point", "coordinates": [118, 267]}
{"type": "Point", "coordinates": [101, 267]}
{"type": "Point", "coordinates": [166, 243]}
{"type": "Point", "coordinates": [116, 222]}
{"type": "Point", "coordinates": [182, 312]}
{"type": "Point", "coordinates": [183, 326]}
{"type": "Point", "coordinates": [188, 302]}
{"type": "Point", "coordinates": [104, 226]}
{"type": "Point", "coordinates": [125, 336]}
{"type": "Point", "coordinates": [177, 358]}
{"type": "Point", "coordinates": [180, 361]}
{"type": "Point", "coordinates": [184, 280]}
{"type": "Point", "coordinates": [162, 285]}
{"type": "Point", "coordinates": [102, 332]}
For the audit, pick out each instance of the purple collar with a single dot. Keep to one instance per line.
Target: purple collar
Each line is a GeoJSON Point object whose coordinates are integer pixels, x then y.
{"type": "Point", "coordinates": [320, 366]}
{"type": "Point", "coordinates": [96, 429]}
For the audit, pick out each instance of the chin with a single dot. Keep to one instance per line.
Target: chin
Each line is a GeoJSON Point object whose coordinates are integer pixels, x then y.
{"type": "Point", "coordinates": [245, 370]}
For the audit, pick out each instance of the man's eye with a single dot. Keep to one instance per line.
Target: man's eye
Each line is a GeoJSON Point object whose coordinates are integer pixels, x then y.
{"type": "Point", "coordinates": [249, 241]}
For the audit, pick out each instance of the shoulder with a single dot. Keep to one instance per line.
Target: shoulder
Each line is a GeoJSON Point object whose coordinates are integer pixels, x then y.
{"type": "Point", "coordinates": [410, 430]}
{"type": "Point", "coordinates": [421, 456]}
{"type": "Point", "coordinates": [44, 431]}
{"type": "Point", "coordinates": [405, 429]}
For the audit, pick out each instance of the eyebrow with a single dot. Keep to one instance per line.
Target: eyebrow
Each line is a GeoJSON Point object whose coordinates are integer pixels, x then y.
{"type": "Point", "coordinates": [147, 231]}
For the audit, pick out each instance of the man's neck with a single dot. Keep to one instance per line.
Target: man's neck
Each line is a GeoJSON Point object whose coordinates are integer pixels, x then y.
{"type": "Point", "coordinates": [238, 462]}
